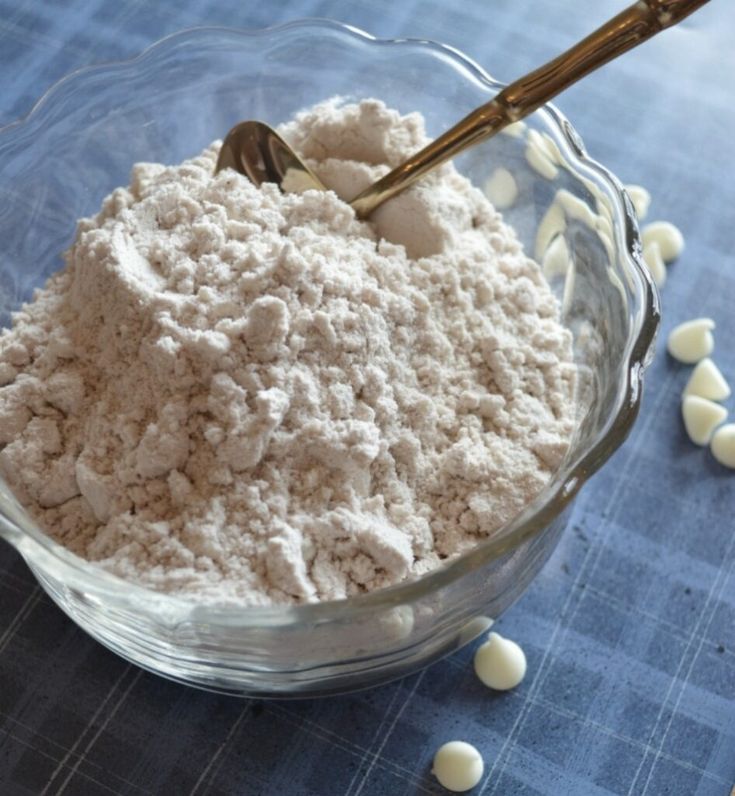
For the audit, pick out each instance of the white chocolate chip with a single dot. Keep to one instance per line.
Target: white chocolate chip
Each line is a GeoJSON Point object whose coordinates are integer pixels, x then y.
{"type": "Point", "coordinates": [701, 418]}
{"type": "Point", "coordinates": [606, 242]}
{"type": "Point", "coordinates": [668, 237]}
{"type": "Point", "coordinates": [640, 199]}
{"type": "Point", "coordinates": [541, 164]}
{"type": "Point", "coordinates": [723, 445]}
{"type": "Point", "coordinates": [458, 766]}
{"type": "Point", "coordinates": [577, 208]}
{"type": "Point", "coordinates": [567, 298]}
{"type": "Point", "coordinates": [500, 663]}
{"type": "Point", "coordinates": [603, 223]}
{"type": "Point", "coordinates": [691, 341]}
{"type": "Point", "coordinates": [616, 282]}
{"type": "Point", "coordinates": [501, 188]}
{"type": "Point", "coordinates": [556, 260]}
{"type": "Point", "coordinates": [655, 262]}
{"type": "Point", "coordinates": [397, 622]}
{"type": "Point", "coordinates": [707, 381]}
{"type": "Point", "coordinates": [553, 222]}
{"type": "Point", "coordinates": [552, 149]}
{"type": "Point", "coordinates": [515, 130]}
{"type": "Point", "coordinates": [538, 156]}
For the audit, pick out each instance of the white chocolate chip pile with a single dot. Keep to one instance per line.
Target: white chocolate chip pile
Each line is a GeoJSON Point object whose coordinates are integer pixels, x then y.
{"type": "Point", "coordinates": [500, 663]}
{"type": "Point", "coordinates": [692, 342]}
{"type": "Point", "coordinates": [662, 242]}
{"type": "Point", "coordinates": [542, 154]}
{"type": "Point", "coordinates": [458, 766]}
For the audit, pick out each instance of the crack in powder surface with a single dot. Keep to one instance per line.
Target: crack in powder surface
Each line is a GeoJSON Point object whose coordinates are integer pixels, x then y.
{"type": "Point", "coordinates": [238, 394]}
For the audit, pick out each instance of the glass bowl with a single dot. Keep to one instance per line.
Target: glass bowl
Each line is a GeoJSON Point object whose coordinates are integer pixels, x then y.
{"type": "Point", "coordinates": [80, 142]}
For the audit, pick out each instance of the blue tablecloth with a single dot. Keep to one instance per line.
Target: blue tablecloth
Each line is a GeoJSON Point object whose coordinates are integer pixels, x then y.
{"type": "Point", "coordinates": [630, 628]}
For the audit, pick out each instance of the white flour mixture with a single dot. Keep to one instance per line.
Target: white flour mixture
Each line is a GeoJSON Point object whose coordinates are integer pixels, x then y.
{"type": "Point", "coordinates": [239, 394]}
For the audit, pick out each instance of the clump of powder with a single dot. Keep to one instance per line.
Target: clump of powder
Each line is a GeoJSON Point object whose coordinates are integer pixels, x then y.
{"type": "Point", "coordinates": [238, 394]}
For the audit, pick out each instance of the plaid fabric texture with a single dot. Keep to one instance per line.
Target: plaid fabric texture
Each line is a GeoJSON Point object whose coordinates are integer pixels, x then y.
{"type": "Point", "coordinates": [630, 628]}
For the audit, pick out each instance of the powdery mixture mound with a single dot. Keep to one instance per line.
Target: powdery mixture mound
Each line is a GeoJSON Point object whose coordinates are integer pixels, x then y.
{"type": "Point", "coordinates": [240, 394]}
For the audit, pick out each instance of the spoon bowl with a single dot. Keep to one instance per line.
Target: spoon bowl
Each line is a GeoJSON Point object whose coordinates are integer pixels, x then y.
{"type": "Point", "coordinates": [256, 150]}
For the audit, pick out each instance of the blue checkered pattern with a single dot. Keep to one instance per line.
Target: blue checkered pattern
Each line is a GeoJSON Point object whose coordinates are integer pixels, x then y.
{"type": "Point", "coordinates": [630, 628]}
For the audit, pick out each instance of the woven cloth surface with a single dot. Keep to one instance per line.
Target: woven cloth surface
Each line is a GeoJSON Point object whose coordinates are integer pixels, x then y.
{"type": "Point", "coordinates": [629, 629]}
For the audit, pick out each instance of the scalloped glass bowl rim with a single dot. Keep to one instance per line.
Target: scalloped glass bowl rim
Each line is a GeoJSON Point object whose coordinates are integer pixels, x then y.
{"type": "Point", "coordinates": [535, 517]}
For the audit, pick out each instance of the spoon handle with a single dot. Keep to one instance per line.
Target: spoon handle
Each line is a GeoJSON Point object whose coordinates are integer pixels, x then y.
{"type": "Point", "coordinates": [631, 27]}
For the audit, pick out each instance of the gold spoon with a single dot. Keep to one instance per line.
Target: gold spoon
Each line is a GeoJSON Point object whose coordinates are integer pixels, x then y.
{"type": "Point", "coordinates": [257, 151]}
